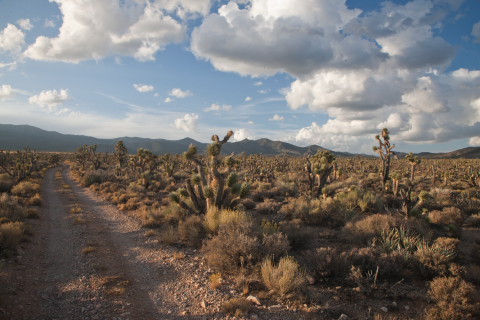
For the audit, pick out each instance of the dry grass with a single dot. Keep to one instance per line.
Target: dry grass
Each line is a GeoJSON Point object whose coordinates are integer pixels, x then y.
{"type": "Point", "coordinates": [215, 280]}
{"type": "Point", "coordinates": [286, 277]}
{"type": "Point", "coordinates": [237, 307]}
{"type": "Point", "coordinates": [88, 250]}
{"type": "Point", "coordinates": [78, 221]}
{"type": "Point", "coordinates": [178, 255]}
{"type": "Point", "coordinates": [192, 231]}
{"type": "Point", "coordinates": [36, 200]}
{"type": "Point", "coordinates": [447, 216]}
{"type": "Point", "coordinates": [76, 210]}
{"type": "Point", "coordinates": [150, 233]}
{"type": "Point", "coordinates": [32, 213]}
{"type": "Point", "coordinates": [26, 188]}
{"type": "Point", "coordinates": [11, 234]}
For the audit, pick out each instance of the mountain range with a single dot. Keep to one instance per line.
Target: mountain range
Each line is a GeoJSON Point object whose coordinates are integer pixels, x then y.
{"type": "Point", "coordinates": [15, 137]}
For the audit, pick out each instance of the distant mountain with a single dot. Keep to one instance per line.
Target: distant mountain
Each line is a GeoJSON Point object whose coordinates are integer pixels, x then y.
{"type": "Point", "coordinates": [15, 137]}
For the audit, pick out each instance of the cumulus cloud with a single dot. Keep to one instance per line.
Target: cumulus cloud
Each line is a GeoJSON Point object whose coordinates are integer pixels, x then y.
{"type": "Point", "coordinates": [276, 117]}
{"type": "Point", "coordinates": [64, 110]}
{"type": "Point", "coordinates": [143, 88]}
{"type": "Point", "coordinates": [216, 107]}
{"type": "Point", "coordinates": [188, 123]}
{"type": "Point", "coordinates": [50, 99]}
{"type": "Point", "coordinates": [11, 39]}
{"type": "Point", "coordinates": [250, 122]}
{"type": "Point", "coordinates": [168, 100]}
{"type": "Point", "coordinates": [476, 32]}
{"type": "Point", "coordinates": [6, 92]}
{"type": "Point", "coordinates": [474, 141]}
{"type": "Point", "coordinates": [248, 99]}
{"type": "Point", "coordinates": [179, 93]}
{"type": "Point", "coordinates": [94, 29]}
{"type": "Point", "coordinates": [25, 24]}
{"type": "Point", "coordinates": [259, 83]}
{"type": "Point", "coordinates": [49, 23]}
{"type": "Point", "coordinates": [242, 134]}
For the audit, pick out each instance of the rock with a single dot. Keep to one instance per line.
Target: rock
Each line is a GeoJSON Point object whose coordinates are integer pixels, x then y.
{"type": "Point", "coordinates": [204, 304]}
{"type": "Point", "coordinates": [384, 309]}
{"type": "Point", "coordinates": [394, 304]}
{"type": "Point", "coordinates": [310, 279]}
{"type": "Point", "coordinates": [357, 289]}
{"type": "Point", "coordinates": [344, 317]}
{"type": "Point", "coordinates": [254, 300]}
{"type": "Point", "coordinates": [254, 316]}
{"type": "Point", "coordinates": [407, 307]}
{"type": "Point", "coordinates": [276, 307]}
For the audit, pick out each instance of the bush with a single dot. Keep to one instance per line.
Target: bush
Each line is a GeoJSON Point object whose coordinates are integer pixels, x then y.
{"type": "Point", "coordinates": [10, 209]}
{"type": "Point", "coordinates": [25, 188]}
{"type": "Point", "coordinates": [236, 307]}
{"type": "Point", "coordinates": [90, 179]}
{"type": "Point", "coordinates": [473, 274]}
{"type": "Point", "coordinates": [447, 216]}
{"type": "Point", "coordinates": [473, 220]}
{"type": "Point", "coordinates": [372, 226]}
{"type": "Point", "coordinates": [431, 261]}
{"type": "Point", "coordinates": [248, 204]}
{"type": "Point", "coordinates": [192, 231]}
{"type": "Point", "coordinates": [268, 207]}
{"type": "Point", "coordinates": [275, 245]}
{"type": "Point", "coordinates": [452, 298]}
{"type": "Point", "coordinates": [297, 232]}
{"type": "Point", "coordinates": [215, 217]}
{"type": "Point", "coordinates": [328, 262]}
{"type": "Point", "coordinates": [284, 278]}
{"type": "Point", "coordinates": [35, 201]}
{"type": "Point", "coordinates": [11, 234]}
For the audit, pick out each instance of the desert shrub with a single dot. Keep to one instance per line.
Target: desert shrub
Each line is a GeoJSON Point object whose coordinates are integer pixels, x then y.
{"type": "Point", "coordinates": [25, 188]}
{"type": "Point", "coordinates": [286, 190]}
{"type": "Point", "coordinates": [10, 209]}
{"type": "Point", "coordinates": [173, 213]}
{"type": "Point", "coordinates": [36, 200]}
{"type": "Point", "coordinates": [11, 234]}
{"type": "Point", "coordinates": [248, 204]}
{"type": "Point", "coordinates": [297, 232]}
{"type": "Point", "coordinates": [235, 245]}
{"type": "Point", "coordinates": [372, 226]}
{"type": "Point", "coordinates": [192, 231]}
{"type": "Point", "coordinates": [152, 217]}
{"type": "Point", "coordinates": [432, 260]}
{"type": "Point", "coordinates": [132, 204]}
{"type": "Point", "coordinates": [284, 278]}
{"type": "Point", "coordinates": [257, 185]}
{"type": "Point", "coordinates": [90, 179]}
{"type": "Point", "coordinates": [453, 299]}
{"type": "Point", "coordinates": [260, 195]}
{"type": "Point", "coordinates": [215, 217]}
{"type": "Point", "coordinates": [268, 207]}
{"type": "Point", "coordinates": [236, 307]}
{"type": "Point", "coordinates": [275, 245]}
{"type": "Point", "coordinates": [32, 213]}
{"type": "Point", "coordinates": [447, 216]}
{"type": "Point", "coordinates": [473, 220]}
{"type": "Point", "coordinates": [449, 244]}
{"type": "Point", "coordinates": [326, 213]}
{"type": "Point", "coordinates": [297, 209]}
{"type": "Point", "coordinates": [6, 185]}
{"type": "Point", "coordinates": [328, 262]}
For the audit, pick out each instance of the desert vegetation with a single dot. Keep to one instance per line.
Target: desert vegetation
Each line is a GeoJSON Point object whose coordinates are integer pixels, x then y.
{"type": "Point", "coordinates": [289, 229]}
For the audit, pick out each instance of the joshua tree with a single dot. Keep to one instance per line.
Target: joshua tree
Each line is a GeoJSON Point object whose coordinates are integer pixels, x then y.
{"type": "Point", "coordinates": [228, 191]}
{"type": "Point", "coordinates": [320, 167]}
{"type": "Point", "coordinates": [413, 162]}
{"type": "Point", "coordinates": [120, 153]}
{"type": "Point", "coordinates": [384, 149]}
{"type": "Point", "coordinates": [82, 155]}
{"type": "Point", "coordinates": [169, 164]}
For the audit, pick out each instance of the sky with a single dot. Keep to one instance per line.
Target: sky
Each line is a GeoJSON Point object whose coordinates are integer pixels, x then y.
{"type": "Point", "coordinates": [326, 72]}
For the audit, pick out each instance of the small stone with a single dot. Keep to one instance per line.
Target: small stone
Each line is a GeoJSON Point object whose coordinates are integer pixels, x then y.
{"type": "Point", "coordinates": [310, 279]}
{"type": "Point", "coordinates": [407, 307]}
{"type": "Point", "coordinates": [254, 316]}
{"type": "Point", "coordinates": [357, 289]}
{"type": "Point", "coordinates": [254, 300]}
{"type": "Point", "coordinates": [394, 304]}
{"type": "Point", "coordinates": [384, 309]}
{"type": "Point", "coordinates": [344, 317]}
{"type": "Point", "coordinates": [275, 307]}
{"type": "Point", "coordinates": [204, 304]}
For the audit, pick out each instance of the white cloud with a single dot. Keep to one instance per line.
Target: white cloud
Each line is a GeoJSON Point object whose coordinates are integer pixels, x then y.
{"type": "Point", "coordinates": [74, 114]}
{"type": "Point", "coordinates": [94, 29]}
{"type": "Point", "coordinates": [474, 141]}
{"type": "Point", "coordinates": [143, 88]}
{"type": "Point", "coordinates": [259, 83]}
{"type": "Point", "coordinates": [6, 92]}
{"type": "Point", "coordinates": [25, 24]}
{"type": "Point", "coordinates": [263, 91]}
{"type": "Point", "coordinates": [50, 99]}
{"type": "Point", "coordinates": [216, 107]}
{"type": "Point", "coordinates": [188, 123]}
{"type": "Point", "coordinates": [64, 110]}
{"type": "Point", "coordinates": [156, 95]}
{"type": "Point", "coordinates": [242, 134]}
{"type": "Point", "coordinates": [276, 117]}
{"type": "Point", "coordinates": [250, 122]}
{"type": "Point", "coordinates": [476, 32]}
{"type": "Point", "coordinates": [176, 92]}
{"type": "Point", "coordinates": [11, 66]}
{"type": "Point", "coordinates": [168, 100]}
{"type": "Point", "coordinates": [248, 99]}
{"type": "Point", "coordinates": [49, 23]}
{"type": "Point", "coordinates": [11, 39]}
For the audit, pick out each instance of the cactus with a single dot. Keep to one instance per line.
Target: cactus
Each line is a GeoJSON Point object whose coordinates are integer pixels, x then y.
{"type": "Point", "coordinates": [384, 150]}
{"type": "Point", "coordinates": [321, 165]}
{"type": "Point", "coordinates": [120, 153]}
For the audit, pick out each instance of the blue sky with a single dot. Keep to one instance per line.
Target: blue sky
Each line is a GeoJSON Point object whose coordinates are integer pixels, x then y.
{"type": "Point", "coordinates": [325, 72]}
